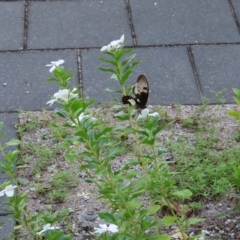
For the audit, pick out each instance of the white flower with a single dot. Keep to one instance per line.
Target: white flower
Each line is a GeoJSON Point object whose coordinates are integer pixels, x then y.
{"type": "Point", "coordinates": [9, 191]}
{"type": "Point", "coordinates": [46, 227]}
{"type": "Point", "coordinates": [63, 95]}
{"type": "Point", "coordinates": [54, 64]}
{"type": "Point", "coordinates": [114, 45]}
{"type": "Point", "coordinates": [145, 112]}
{"type": "Point", "coordinates": [104, 228]}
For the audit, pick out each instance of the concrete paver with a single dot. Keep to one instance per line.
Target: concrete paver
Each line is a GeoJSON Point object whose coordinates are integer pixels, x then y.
{"type": "Point", "coordinates": [76, 23]}
{"type": "Point", "coordinates": [11, 25]}
{"type": "Point", "coordinates": [218, 69]}
{"type": "Point", "coordinates": [7, 228]}
{"type": "Point", "coordinates": [168, 71]}
{"type": "Point", "coordinates": [25, 75]}
{"type": "Point", "coordinates": [183, 22]}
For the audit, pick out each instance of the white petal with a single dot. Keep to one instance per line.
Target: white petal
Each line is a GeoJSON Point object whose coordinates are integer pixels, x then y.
{"type": "Point", "coordinates": [51, 102]}
{"type": "Point", "coordinates": [122, 39]}
{"type": "Point", "coordinates": [113, 228]}
{"type": "Point", "coordinates": [59, 62]}
{"type": "Point", "coordinates": [104, 48]}
{"type": "Point", "coordinates": [145, 112]}
{"type": "Point", "coordinates": [52, 68]}
{"type": "Point", "coordinates": [9, 190]}
{"type": "Point", "coordinates": [46, 227]}
{"type": "Point", "coordinates": [39, 233]}
{"type": "Point", "coordinates": [140, 117]}
{"type": "Point", "coordinates": [155, 114]}
{"type": "Point", "coordinates": [62, 95]}
{"type": "Point", "coordinates": [49, 65]}
{"type": "Point", "coordinates": [2, 193]}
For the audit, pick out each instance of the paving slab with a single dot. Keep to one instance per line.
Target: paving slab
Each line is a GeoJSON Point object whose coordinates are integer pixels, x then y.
{"type": "Point", "coordinates": [236, 6]}
{"type": "Point", "coordinates": [9, 120]}
{"type": "Point", "coordinates": [7, 228]}
{"type": "Point", "coordinates": [182, 22]}
{"type": "Point", "coordinates": [25, 74]}
{"type": "Point", "coordinates": [73, 24]}
{"type": "Point", "coordinates": [168, 71]}
{"type": "Point", "coordinates": [218, 69]}
{"type": "Point", "coordinates": [11, 17]}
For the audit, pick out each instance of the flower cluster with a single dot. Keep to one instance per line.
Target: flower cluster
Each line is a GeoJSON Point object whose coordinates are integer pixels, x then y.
{"type": "Point", "coordinates": [63, 95]}
{"type": "Point", "coordinates": [112, 228]}
{"type": "Point", "coordinates": [54, 64]}
{"type": "Point", "coordinates": [145, 112]}
{"type": "Point", "coordinates": [116, 44]}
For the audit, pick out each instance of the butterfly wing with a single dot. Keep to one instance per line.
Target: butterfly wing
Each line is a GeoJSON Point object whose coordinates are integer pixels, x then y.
{"type": "Point", "coordinates": [141, 91]}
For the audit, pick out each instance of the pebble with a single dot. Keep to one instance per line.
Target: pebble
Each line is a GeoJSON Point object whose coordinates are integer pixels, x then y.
{"type": "Point", "coordinates": [90, 217]}
{"type": "Point", "coordinates": [228, 221]}
{"type": "Point", "coordinates": [5, 84]}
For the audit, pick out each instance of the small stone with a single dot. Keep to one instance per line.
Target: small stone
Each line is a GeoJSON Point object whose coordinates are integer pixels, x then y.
{"type": "Point", "coordinates": [90, 217]}
{"type": "Point", "coordinates": [5, 84]}
{"type": "Point", "coordinates": [228, 221]}
{"type": "Point", "coordinates": [27, 92]}
{"type": "Point", "coordinates": [23, 181]}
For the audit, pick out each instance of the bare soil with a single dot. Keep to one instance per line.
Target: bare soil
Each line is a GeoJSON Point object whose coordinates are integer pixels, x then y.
{"type": "Point", "coordinates": [222, 220]}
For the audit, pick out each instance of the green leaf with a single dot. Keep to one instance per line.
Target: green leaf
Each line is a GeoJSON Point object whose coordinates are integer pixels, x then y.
{"type": "Point", "coordinates": [122, 116]}
{"type": "Point", "coordinates": [82, 134]}
{"type": "Point", "coordinates": [129, 59]}
{"type": "Point", "coordinates": [70, 155]}
{"type": "Point", "coordinates": [107, 217]}
{"type": "Point", "coordinates": [192, 221]}
{"type": "Point", "coordinates": [134, 204]}
{"type": "Point", "coordinates": [234, 113]}
{"type": "Point", "coordinates": [162, 237]}
{"type": "Point", "coordinates": [107, 70]}
{"type": "Point", "coordinates": [237, 170]}
{"type": "Point", "coordinates": [235, 181]}
{"type": "Point", "coordinates": [236, 91]}
{"type": "Point", "coordinates": [237, 100]}
{"type": "Point", "coordinates": [153, 209]}
{"type": "Point", "coordinates": [125, 76]}
{"type": "Point", "coordinates": [108, 61]}
{"type": "Point", "coordinates": [183, 194]}
{"type": "Point", "coordinates": [169, 220]}
{"type": "Point", "coordinates": [61, 113]}
{"type": "Point", "coordinates": [113, 91]}
{"type": "Point", "coordinates": [12, 142]}
{"type": "Point", "coordinates": [112, 152]}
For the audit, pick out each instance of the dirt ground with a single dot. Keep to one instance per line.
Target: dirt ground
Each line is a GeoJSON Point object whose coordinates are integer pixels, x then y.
{"type": "Point", "coordinates": [222, 220]}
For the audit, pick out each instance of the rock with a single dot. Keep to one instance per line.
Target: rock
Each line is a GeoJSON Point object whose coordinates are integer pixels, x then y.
{"type": "Point", "coordinates": [91, 217]}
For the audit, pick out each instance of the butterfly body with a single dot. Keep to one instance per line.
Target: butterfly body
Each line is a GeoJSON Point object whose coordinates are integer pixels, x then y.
{"type": "Point", "coordinates": [141, 92]}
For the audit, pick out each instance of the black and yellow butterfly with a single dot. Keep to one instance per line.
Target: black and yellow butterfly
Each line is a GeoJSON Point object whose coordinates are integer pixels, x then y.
{"type": "Point", "coordinates": [141, 92]}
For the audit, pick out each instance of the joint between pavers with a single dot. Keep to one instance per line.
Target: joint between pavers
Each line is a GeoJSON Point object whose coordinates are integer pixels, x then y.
{"type": "Point", "coordinates": [25, 31]}
{"type": "Point", "coordinates": [130, 19]}
{"type": "Point", "coordinates": [79, 64]}
{"type": "Point", "coordinates": [137, 46]}
{"type": "Point", "coordinates": [234, 15]}
{"type": "Point", "coordinates": [191, 57]}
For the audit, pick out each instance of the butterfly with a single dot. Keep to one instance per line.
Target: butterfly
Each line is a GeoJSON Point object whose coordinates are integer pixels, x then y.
{"type": "Point", "coordinates": [141, 92]}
